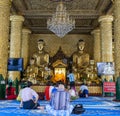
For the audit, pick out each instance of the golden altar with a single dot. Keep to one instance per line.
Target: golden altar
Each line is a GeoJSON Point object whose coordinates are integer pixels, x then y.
{"type": "Point", "coordinates": [59, 71]}
{"type": "Point", "coordinates": [94, 90]}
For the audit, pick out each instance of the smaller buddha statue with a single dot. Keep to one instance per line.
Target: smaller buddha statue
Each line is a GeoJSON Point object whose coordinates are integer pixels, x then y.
{"type": "Point", "coordinates": [41, 58]}
{"type": "Point", "coordinates": [92, 77]}
{"type": "Point", "coordinates": [80, 60]}
{"type": "Point", "coordinates": [59, 76]}
{"type": "Point", "coordinates": [31, 72]}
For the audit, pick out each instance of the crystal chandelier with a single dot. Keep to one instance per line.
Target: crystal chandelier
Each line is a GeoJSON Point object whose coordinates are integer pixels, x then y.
{"type": "Point", "coordinates": [60, 23]}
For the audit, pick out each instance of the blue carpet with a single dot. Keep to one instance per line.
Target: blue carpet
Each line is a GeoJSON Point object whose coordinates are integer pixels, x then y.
{"type": "Point", "coordinates": [94, 106]}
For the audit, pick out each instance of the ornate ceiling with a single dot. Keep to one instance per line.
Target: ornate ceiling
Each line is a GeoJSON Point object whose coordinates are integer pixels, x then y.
{"type": "Point", "coordinates": [85, 13]}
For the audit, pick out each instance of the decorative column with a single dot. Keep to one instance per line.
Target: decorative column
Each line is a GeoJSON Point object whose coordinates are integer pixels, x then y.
{"type": "Point", "coordinates": [4, 35]}
{"type": "Point", "coordinates": [15, 42]}
{"type": "Point", "coordinates": [117, 37]}
{"type": "Point", "coordinates": [25, 46]}
{"type": "Point", "coordinates": [106, 41]}
{"type": "Point", "coordinates": [96, 35]}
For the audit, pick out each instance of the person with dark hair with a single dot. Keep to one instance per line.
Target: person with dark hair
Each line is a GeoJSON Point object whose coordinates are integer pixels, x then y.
{"type": "Point", "coordinates": [83, 90]}
{"type": "Point", "coordinates": [55, 87]}
{"type": "Point", "coordinates": [10, 92]}
{"type": "Point", "coordinates": [47, 89]}
{"type": "Point", "coordinates": [29, 98]}
{"type": "Point", "coordinates": [71, 79]}
{"type": "Point", "coordinates": [23, 85]}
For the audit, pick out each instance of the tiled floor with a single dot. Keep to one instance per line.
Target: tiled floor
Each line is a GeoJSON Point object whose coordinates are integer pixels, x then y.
{"type": "Point", "coordinates": [94, 106]}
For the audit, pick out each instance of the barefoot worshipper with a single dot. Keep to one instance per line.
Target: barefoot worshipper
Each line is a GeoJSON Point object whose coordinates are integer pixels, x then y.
{"type": "Point", "coordinates": [29, 98]}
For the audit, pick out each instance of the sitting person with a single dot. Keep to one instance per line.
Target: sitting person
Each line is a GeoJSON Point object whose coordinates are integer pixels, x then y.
{"type": "Point", "coordinates": [29, 98]}
{"type": "Point", "coordinates": [73, 94]}
{"type": "Point", "coordinates": [71, 78]}
{"type": "Point", "coordinates": [60, 102]}
{"type": "Point", "coordinates": [20, 92]}
{"type": "Point", "coordinates": [10, 92]}
{"type": "Point", "coordinates": [50, 89]}
{"type": "Point", "coordinates": [55, 88]}
{"type": "Point", "coordinates": [47, 89]}
{"type": "Point", "coordinates": [83, 91]}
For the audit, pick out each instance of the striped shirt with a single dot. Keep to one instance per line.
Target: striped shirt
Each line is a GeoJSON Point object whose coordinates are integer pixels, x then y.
{"type": "Point", "coordinates": [60, 100]}
{"type": "Point", "coordinates": [71, 77]}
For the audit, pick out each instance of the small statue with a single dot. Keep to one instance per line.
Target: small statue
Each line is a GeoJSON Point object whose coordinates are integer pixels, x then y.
{"type": "Point", "coordinates": [80, 60]}
{"type": "Point", "coordinates": [92, 77]}
{"type": "Point", "coordinates": [41, 58]}
{"type": "Point", "coordinates": [32, 70]}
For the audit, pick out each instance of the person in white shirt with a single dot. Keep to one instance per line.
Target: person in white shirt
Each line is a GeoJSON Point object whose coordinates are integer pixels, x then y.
{"type": "Point", "coordinates": [83, 91]}
{"type": "Point", "coordinates": [29, 98]}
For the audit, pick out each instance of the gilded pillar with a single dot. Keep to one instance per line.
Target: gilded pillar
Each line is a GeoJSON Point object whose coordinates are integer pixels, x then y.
{"type": "Point", "coordinates": [15, 42]}
{"type": "Point", "coordinates": [106, 40]}
{"type": "Point", "coordinates": [4, 35]}
{"type": "Point", "coordinates": [25, 46]}
{"type": "Point", "coordinates": [96, 35]}
{"type": "Point", "coordinates": [117, 37]}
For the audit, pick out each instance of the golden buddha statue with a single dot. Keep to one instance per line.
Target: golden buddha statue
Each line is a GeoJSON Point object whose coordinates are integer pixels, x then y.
{"type": "Point", "coordinates": [59, 76]}
{"type": "Point", "coordinates": [92, 77]}
{"type": "Point", "coordinates": [41, 58]}
{"type": "Point", "coordinates": [80, 61]}
{"type": "Point", "coordinates": [31, 71]}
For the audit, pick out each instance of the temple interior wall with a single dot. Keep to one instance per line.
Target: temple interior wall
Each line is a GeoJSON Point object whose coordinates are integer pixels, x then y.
{"type": "Point", "coordinates": [68, 43]}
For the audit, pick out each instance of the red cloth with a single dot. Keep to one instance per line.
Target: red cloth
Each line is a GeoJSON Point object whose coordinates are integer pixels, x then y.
{"type": "Point", "coordinates": [10, 92]}
{"type": "Point", "coordinates": [47, 96]}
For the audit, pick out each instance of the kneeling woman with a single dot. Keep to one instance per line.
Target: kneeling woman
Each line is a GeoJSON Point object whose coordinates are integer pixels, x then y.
{"type": "Point", "coordinates": [29, 98]}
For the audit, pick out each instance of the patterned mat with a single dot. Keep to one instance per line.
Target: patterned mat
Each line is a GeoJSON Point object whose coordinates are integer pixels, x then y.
{"type": "Point", "coordinates": [94, 106]}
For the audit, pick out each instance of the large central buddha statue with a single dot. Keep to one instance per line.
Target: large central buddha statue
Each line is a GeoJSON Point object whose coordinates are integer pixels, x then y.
{"type": "Point", "coordinates": [41, 58]}
{"type": "Point", "coordinates": [80, 60]}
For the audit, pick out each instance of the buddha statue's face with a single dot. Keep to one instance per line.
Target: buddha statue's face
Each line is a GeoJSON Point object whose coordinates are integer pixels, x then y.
{"type": "Point", "coordinates": [40, 46]}
{"type": "Point", "coordinates": [81, 46]}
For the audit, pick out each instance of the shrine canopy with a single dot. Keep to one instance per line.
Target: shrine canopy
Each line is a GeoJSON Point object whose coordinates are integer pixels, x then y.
{"type": "Point", "coordinates": [59, 63]}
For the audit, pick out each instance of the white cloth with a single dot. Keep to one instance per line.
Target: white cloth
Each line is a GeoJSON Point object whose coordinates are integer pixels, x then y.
{"type": "Point", "coordinates": [28, 94]}
{"type": "Point", "coordinates": [83, 87]}
{"type": "Point", "coordinates": [72, 92]}
{"type": "Point", "coordinates": [50, 110]}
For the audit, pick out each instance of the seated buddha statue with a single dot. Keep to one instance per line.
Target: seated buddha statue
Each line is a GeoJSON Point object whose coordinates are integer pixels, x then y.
{"type": "Point", "coordinates": [92, 77]}
{"type": "Point", "coordinates": [32, 70]}
{"type": "Point", "coordinates": [41, 58]}
{"type": "Point", "coordinates": [59, 77]}
{"type": "Point", "coordinates": [80, 60]}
